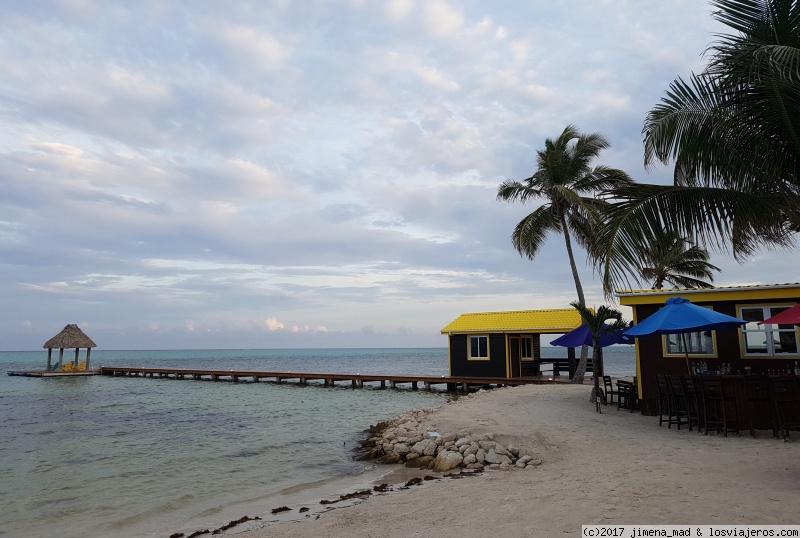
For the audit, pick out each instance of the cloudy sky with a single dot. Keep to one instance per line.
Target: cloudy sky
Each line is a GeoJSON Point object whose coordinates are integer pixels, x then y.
{"type": "Point", "coordinates": [256, 174]}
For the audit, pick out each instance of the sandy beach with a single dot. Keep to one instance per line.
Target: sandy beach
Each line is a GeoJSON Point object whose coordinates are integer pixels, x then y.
{"type": "Point", "coordinates": [611, 468]}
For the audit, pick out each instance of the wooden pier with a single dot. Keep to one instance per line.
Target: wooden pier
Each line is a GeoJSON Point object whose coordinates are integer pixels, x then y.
{"type": "Point", "coordinates": [328, 380]}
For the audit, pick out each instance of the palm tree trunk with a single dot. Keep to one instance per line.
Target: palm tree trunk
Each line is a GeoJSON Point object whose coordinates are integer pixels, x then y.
{"type": "Point", "coordinates": [580, 372]}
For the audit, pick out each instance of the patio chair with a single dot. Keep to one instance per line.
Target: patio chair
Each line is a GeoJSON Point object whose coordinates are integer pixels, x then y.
{"type": "Point", "coordinates": [678, 396]}
{"type": "Point", "coordinates": [664, 403]}
{"type": "Point", "coordinates": [627, 393]}
{"type": "Point", "coordinates": [609, 389]}
{"type": "Point", "coordinates": [67, 367]}
{"type": "Point", "coordinates": [692, 407]}
{"type": "Point", "coordinates": [786, 396]}
{"type": "Point", "coordinates": [716, 405]}
{"type": "Point", "coordinates": [760, 403]}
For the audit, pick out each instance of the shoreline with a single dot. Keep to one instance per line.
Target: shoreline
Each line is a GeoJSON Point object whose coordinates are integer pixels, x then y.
{"type": "Point", "coordinates": [611, 468]}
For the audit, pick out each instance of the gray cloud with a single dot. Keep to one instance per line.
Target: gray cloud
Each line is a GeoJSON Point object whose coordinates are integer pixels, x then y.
{"type": "Point", "coordinates": [272, 174]}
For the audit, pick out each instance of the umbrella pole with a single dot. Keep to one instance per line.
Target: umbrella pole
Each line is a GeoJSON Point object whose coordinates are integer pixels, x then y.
{"type": "Point", "coordinates": [686, 353]}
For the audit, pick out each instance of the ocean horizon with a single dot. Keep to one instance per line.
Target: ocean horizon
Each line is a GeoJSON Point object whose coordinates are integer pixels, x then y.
{"type": "Point", "coordinates": [105, 457]}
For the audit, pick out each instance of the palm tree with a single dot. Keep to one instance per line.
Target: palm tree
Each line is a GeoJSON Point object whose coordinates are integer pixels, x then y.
{"type": "Point", "coordinates": [563, 175]}
{"type": "Point", "coordinates": [605, 320]}
{"type": "Point", "coordinates": [667, 259]}
{"type": "Point", "coordinates": [733, 132]}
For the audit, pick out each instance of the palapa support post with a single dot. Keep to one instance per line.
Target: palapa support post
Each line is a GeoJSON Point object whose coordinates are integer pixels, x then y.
{"type": "Point", "coordinates": [61, 358]}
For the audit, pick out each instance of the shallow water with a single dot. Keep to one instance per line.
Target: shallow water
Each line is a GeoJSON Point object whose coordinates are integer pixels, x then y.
{"type": "Point", "coordinates": [101, 456]}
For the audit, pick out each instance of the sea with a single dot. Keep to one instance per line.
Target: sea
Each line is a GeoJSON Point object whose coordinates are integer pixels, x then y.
{"type": "Point", "coordinates": [142, 457]}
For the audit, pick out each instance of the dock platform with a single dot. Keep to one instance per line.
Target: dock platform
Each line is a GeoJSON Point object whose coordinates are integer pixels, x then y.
{"type": "Point", "coordinates": [52, 373]}
{"type": "Point", "coordinates": [328, 379]}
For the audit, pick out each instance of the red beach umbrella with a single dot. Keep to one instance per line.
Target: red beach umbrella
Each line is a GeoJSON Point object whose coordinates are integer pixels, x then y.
{"type": "Point", "coordinates": [787, 317]}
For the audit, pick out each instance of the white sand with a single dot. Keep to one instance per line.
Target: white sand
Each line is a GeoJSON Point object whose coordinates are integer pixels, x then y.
{"type": "Point", "coordinates": [611, 468]}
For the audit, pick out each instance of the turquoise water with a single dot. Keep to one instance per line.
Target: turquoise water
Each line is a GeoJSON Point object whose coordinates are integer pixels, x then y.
{"type": "Point", "coordinates": [100, 456]}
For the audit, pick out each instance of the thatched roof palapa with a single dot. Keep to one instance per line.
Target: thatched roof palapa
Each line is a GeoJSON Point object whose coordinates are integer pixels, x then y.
{"type": "Point", "coordinates": [70, 337]}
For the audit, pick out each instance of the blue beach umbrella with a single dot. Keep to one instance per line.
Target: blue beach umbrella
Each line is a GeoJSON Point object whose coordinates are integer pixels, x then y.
{"type": "Point", "coordinates": [680, 316]}
{"type": "Point", "coordinates": [582, 336]}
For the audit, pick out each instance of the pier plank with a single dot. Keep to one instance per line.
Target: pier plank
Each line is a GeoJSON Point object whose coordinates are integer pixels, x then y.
{"type": "Point", "coordinates": [326, 379]}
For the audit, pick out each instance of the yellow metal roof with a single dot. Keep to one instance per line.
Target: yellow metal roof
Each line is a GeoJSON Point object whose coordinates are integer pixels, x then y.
{"type": "Point", "coordinates": [722, 293]}
{"type": "Point", "coordinates": [529, 321]}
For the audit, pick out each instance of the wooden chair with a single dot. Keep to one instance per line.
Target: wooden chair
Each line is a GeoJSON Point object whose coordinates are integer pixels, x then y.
{"type": "Point", "coordinates": [66, 367]}
{"type": "Point", "coordinates": [681, 415]}
{"type": "Point", "coordinates": [758, 394]}
{"type": "Point", "coordinates": [665, 404]}
{"type": "Point", "coordinates": [609, 389]}
{"type": "Point", "coordinates": [713, 404]}
{"type": "Point", "coordinates": [627, 393]}
{"type": "Point", "coordinates": [81, 367]}
{"type": "Point", "coordinates": [692, 407]}
{"type": "Point", "coordinates": [786, 395]}
{"type": "Point", "coordinates": [716, 406]}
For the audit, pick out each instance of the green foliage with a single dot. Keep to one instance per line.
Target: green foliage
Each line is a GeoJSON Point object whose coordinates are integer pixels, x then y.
{"type": "Point", "coordinates": [733, 132]}
{"type": "Point", "coordinates": [670, 258]}
{"type": "Point", "coordinates": [563, 178]}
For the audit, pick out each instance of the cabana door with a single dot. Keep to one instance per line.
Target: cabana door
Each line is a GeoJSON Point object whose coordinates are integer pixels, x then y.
{"type": "Point", "coordinates": [515, 356]}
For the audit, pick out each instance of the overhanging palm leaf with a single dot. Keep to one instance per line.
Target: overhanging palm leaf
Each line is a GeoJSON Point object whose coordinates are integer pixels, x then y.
{"type": "Point", "coordinates": [733, 133]}
{"type": "Point", "coordinates": [701, 214]}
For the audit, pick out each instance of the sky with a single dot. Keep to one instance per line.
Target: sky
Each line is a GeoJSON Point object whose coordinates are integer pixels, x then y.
{"type": "Point", "coordinates": [283, 174]}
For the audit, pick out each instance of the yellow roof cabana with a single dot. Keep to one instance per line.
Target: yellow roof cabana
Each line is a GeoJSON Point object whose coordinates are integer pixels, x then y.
{"type": "Point", "coordinates": [553, 321]}
{"type": "Point", "coordinates": [503, 344]}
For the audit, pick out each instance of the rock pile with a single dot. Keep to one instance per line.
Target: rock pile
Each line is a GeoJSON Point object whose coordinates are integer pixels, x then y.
{"type": "Point", "coordinates": [404, 440]}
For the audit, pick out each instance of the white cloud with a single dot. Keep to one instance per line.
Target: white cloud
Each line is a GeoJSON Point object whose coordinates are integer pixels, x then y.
{"type": "Point", "coordinates": [166, 172]}
{"type": "Point", "coordinates": [273, 324]}
{"type": "Point", "coordinates": [399, 10]}
{"type": "Point", "coordinates": [264, 51]}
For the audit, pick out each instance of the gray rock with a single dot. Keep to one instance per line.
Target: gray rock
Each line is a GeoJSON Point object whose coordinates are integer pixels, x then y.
{"type": "Point", "coordinates": [480, 455]}
{"type": "Point", "coordinates": [493, 457]}
{"type": "Point", "coordinates": [514, 450]}
{"type": "Point", "coordinates": [449, 437]}
{"type": "Point", "coordinates": [446, 461]}
{"type": "Point", "coordinates": [534, 463]}
{"type": "Point", "coordinates": [463, 441]}
{"type": "Point", "coordinates": [501, 450]}
{"type": "Point", "coordinates": [470, 458]}
{"type": "Point", "coordinates": [411, 456]}
{"type": "Point", "coordinates": [474, 466]}
{"type": "Point", "coordinates": [402, 449]}
{"type": "Point", "coordinates": [487, 445]}
{"type": "Point", "coordinates": [426, 447]}
{"type": "Point", "coordinates": [420, 463]}
{"type": "Point", "coordinates": [471, 449]}
{"type": "Point", "coordinates": [392, 457]}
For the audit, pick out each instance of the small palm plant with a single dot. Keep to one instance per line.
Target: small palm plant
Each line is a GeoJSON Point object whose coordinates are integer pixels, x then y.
{"type": "Point", "coordinates": [600, 322]}
{"type": "Point", "coordinates": [670, 258]}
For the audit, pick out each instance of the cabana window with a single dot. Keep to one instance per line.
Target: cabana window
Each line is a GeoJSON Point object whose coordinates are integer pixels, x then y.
{"type": "Point", "coordinates": [478, 347]}
{"type": "Point", "coordinates": [766, 340]}
{"type": "Point", "coordinates": [526, 348]}
{"type": "Point", "coordinates": [696, 343]}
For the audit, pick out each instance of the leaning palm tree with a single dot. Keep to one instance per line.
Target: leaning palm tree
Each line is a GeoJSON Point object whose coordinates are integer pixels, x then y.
{"type": "Point", "coordinates": [733, 132]}
{"type": "Point", "coordinates": [605, 320]}
{"type": "Point", "coordinates": [563, 178]}
{"type": "Point", "coordinates": [670, 258]}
